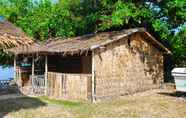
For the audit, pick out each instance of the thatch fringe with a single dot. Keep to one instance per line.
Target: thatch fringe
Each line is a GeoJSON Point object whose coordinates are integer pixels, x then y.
{"type": "Point", "coordinates": [11, 36]}
{"type": "Point", "coordinates": [83, 44]}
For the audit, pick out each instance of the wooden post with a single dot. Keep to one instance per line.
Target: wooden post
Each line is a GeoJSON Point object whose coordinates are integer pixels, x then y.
{"type": "Point", "coordinates": [15, 71]}
{"type": "Point", "coordinates": [33, 74]}
{"type": "Point", "coordinates": [93, 78]}
{"type": "Point", "coordinates": [19, 76]}
{"type": "Point", "coordinates": [33, 69]}
{"type": "Point", "coordinates": [46, 73]}
{"type": "Point", "coordinates": [61, 85]}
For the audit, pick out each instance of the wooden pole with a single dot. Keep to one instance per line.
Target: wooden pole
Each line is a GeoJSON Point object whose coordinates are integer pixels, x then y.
{"type": "Point", "coordinates": [93, 78]}
{"type": "Point", "coordinates": [33, 66]}
{"type": "Point", "coordinates": [19, 75]}
{"type": "Point", "coordinates": [15, 71]}
{"type": "Point", "coordinates": [46, 73]}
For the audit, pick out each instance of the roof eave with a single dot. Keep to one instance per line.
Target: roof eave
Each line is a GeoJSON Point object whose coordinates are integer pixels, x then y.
{"type": "Point", "coordinates": [166, 50]}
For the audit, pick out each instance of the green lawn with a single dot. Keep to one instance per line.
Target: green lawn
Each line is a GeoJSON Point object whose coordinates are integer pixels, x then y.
{"type": "Point", "coordinates": [151, 104]}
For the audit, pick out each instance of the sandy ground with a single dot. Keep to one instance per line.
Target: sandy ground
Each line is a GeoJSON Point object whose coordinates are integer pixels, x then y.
{"type": "Point", "coordinates": [160, 103]}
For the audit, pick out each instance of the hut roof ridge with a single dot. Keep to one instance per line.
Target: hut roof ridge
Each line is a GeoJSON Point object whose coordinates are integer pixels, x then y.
{"type": "Point", "coordinates": [83, 43]}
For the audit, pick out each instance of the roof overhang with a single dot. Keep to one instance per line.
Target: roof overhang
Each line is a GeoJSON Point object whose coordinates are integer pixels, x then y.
{"type": "Point", "coordinates": [61, 46]}
{"type": "Point", "coordinates": [140, 30]}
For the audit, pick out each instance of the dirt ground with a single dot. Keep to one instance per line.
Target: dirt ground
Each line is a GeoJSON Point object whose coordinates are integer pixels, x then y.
{"type": "Point", "coordinates": [161, 103]}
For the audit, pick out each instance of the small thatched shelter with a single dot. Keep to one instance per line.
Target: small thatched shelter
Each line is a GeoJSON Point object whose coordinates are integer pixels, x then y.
{"type": "Point", "coordinates": [11, 36]}
{"type": "Point", "coordinates": [93, 66]}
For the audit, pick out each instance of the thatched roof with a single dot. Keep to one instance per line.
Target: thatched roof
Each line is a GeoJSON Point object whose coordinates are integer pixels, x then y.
{"type": "Point", "coordinates": [79, 45]}
{"type": "Point", "coordinates": [11, 36]}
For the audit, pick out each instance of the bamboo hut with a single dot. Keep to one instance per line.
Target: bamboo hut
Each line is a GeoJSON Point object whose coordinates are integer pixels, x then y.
{"type": "Point", "coordinates": [95, 66]}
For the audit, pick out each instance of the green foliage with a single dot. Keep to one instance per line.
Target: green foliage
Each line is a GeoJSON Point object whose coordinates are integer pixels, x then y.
{"type": "Point", "coordinates": [48, 100]}
{"type": "Point", "coordinates": [47, 20]}
{"type": "Point", "coordinates": [175, 10]}
{"type": "Point", "coordinates": [162, 28]}
{"type": "Point", "coordinates": [66, 18]}
{"type": "Point", "coordinates": [5, 59]}
{"type": "Point", "coordinates": [179, 47]}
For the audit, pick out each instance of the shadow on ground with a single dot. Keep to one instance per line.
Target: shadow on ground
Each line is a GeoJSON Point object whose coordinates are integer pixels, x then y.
{"type": "Point", "coordinates": [16, 104]}
{"type": "Point", "coordinates": [174, 94]}
{"type": "Point", "coordinates": [10, 103]}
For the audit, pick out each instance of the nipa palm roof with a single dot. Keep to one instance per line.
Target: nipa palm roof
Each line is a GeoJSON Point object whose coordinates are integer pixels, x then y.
{"type": "Point", "coordinates": [81, 44]}
{"type": "Point", "coordinates": [11, 36]}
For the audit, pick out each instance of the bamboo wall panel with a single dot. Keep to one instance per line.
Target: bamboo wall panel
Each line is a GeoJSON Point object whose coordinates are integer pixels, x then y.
{"type": "Point", "coordinates": [69, 86]}
{"type": "Point", "coordinates": [127, 66]}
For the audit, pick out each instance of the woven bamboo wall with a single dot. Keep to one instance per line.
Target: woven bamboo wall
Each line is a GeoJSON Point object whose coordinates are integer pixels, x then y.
{"type": "Point", "coordinates": [69, 86]}
{"type": "Point", "coordinates": [127, 66]}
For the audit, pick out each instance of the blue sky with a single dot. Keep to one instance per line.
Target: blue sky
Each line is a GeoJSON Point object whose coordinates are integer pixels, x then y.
{"type": "Point", "coordinates": [6, 73]}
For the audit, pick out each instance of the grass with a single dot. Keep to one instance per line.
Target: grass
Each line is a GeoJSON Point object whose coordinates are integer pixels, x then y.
{"type": "Point", "coordinates": [151, 104]}
{"type": "Point", "coordinates": [60, 102]}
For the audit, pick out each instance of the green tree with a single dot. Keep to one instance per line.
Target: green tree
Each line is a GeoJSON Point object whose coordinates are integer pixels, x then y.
{"type": "Point", "coordinates": [44, 19]}
{"type": "Point", "coordinates": [179, 47]}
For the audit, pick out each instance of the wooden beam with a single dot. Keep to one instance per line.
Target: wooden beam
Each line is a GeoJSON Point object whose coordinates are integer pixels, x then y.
{"type": "Point", "coordinates": [64, 53]}
{"type": "Point", "coordinates": [86, 54]}
{"type": "Point", "coordinates": [19, 76]}
{"type": "Point", "coordinates": [93, 78]}
{"type": "Point", "coordinates": [81, 52]}
{"type": "Point", "coordinates": [15, 71]}
{"type": "Point", "coordinates": [46, 74]}
{"type": "Point", "coordinates": [72, 53]}
{"type": "Point", "coordinates": [33, 67]}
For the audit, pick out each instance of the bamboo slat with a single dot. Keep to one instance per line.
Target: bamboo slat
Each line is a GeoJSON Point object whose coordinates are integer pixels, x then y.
{"type": "Point", "coordinates": [69, 86]}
